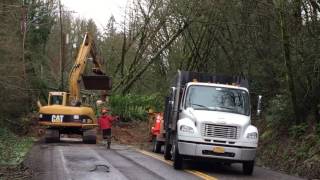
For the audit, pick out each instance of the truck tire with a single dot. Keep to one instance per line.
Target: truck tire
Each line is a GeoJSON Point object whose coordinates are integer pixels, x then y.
{"type": "Point", "coordinates": [89, 136]}
{"type": "Point", "coordinates": [167, 148]}
{"type": "Point", "coordinates": [52, 135]}
{"type": "Point", "coordinates": [177, 158]}
{"type": "Point", "coordinates": [248, 167]}
{"type": "Point", "coordinates": [156, 145]}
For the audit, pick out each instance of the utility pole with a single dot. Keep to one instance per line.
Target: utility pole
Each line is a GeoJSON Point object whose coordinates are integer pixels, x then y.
{"type": "Point", "coordinates": [61, 64]}
{"type": "Point", "coordinates": [23, 25]}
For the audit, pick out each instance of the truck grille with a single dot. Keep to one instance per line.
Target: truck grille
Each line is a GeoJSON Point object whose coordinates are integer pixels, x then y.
{"type": "Point", "coordinates": [220, 131]}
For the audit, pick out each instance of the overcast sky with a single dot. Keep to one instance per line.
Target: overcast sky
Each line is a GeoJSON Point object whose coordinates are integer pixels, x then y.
{"type": "Point", "coordinates": [99, 10]}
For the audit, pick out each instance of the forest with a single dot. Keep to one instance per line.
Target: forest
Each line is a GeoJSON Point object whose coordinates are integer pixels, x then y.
{"type": "Point", "coordinates": [275, 43]}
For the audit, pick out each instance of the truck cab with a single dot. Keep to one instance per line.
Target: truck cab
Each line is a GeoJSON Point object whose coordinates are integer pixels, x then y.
{"type": "Point", "coordinates": [210, 121]}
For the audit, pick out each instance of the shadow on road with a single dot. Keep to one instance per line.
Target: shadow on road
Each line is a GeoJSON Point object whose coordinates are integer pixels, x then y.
{"type": "Point", "coordinates": [64, 141]}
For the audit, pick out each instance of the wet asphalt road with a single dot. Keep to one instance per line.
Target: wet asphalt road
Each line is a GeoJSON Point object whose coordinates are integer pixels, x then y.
{"type": "Point", "coordinates": [71, 159]}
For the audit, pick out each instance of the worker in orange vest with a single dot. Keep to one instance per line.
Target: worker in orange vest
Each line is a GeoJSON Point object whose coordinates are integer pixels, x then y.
{"type": "Point", "coordinates": [155, 130]}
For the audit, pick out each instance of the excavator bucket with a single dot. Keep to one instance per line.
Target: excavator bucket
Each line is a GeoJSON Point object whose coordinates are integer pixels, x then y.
{"type": "Point", "coordinates": [97, 82]}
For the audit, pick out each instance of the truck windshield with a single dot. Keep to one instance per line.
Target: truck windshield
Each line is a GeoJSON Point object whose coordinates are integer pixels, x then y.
{"type": "Point", "coordinates": [218, 99]}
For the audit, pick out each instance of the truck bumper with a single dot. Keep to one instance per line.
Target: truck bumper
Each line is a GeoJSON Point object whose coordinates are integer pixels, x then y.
{"type": "Point", "coordinates": [73, 125]}
{"type": "Point", "coordinates": [232, 153]}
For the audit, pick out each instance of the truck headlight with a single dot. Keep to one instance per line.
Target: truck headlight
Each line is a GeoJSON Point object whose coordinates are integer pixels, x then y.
{"type": "Point", "coordinates": [253, 135]}
{"type": "Point", "coordinates": [187, 129]}
{"type": "Point", "coordinates": [40, 116]}
{"type": "Point", "coordinates": [75, 116]}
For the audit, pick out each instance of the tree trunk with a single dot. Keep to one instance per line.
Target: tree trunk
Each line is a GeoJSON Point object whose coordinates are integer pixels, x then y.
{"type": "Point", "coordinates": [285, 43]}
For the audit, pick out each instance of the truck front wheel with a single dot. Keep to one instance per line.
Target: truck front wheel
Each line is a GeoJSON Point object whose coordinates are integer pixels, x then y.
{"type": "Point", "coordinates": [248, 167]}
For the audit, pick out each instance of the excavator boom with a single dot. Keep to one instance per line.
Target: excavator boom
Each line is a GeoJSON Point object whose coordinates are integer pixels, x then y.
{"type": "Point", "coordinates": [97, 82]}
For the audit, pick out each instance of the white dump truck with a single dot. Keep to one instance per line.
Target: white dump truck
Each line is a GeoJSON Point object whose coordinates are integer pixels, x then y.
{"type": "Point", "coordinates": [207, 117]}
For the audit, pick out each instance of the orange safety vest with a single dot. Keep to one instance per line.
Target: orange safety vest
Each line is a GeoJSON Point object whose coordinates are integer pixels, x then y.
{"type": "Point", "coordinates": [156, 128]}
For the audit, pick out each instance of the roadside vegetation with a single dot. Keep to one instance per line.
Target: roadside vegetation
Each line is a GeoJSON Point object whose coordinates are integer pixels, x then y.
{"type": "Point", "coordinates": [135, 107]}
{"type": "Point", "coordinates": [290, 148]}
{"type": "Point", "coordinates": [297, 156]}
{"type": "Point", "coordinates": [274, 43]}
{"type": "Point", "coordinates": [13, 148]}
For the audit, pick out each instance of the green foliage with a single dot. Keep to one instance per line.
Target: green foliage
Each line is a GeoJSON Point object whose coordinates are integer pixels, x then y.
{"type": "Point", "coordinates": [266, 135]}
{"type": "Point", "coordinates": [279, 111]}
{"type": "Point", "coordinates": [134, 107]}
{"type": "Point", "coordinates": [297, 131]}
{"type": "Point", "coordinates": [13, 148]}
{"type": "Point", "coordinates": [318, 130]}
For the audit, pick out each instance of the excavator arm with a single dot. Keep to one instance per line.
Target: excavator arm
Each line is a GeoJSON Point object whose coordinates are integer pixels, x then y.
{"type": "Point", "coordinates": [98, 82]}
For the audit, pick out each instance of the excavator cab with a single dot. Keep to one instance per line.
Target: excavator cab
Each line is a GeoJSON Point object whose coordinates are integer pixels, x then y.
{"type": "Point", "coordinates": [57, 98]}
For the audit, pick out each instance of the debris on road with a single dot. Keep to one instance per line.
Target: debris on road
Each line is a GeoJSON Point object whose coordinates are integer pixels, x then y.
{"type": "Point", "coordinates": [100, 167]}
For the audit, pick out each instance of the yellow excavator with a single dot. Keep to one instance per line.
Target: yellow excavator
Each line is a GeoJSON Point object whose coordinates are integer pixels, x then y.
{"type": "Point", "coordinates": [65, 112]}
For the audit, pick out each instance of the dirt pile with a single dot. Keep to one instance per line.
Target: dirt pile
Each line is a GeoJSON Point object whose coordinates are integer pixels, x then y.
{"type": "Point", "coordinates": [135, 133]}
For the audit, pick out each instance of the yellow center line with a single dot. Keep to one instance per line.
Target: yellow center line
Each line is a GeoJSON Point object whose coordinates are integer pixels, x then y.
{"type": "Point", "coordinates": [194, 172]}
{"type": "Point", "coordinates": [201, 174]}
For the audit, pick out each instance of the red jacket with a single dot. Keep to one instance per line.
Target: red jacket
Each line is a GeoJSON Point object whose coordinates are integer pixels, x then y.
{"type": "Point", "coordinates": [105, 121]}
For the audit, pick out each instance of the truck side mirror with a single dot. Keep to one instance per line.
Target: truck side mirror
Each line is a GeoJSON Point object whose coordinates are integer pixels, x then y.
{"type": "Point", "coordinates": [259, 105]}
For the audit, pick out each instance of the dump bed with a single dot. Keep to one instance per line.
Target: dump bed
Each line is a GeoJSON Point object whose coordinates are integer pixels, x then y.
{"type": "Point", "coordinates": [186, 76]}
